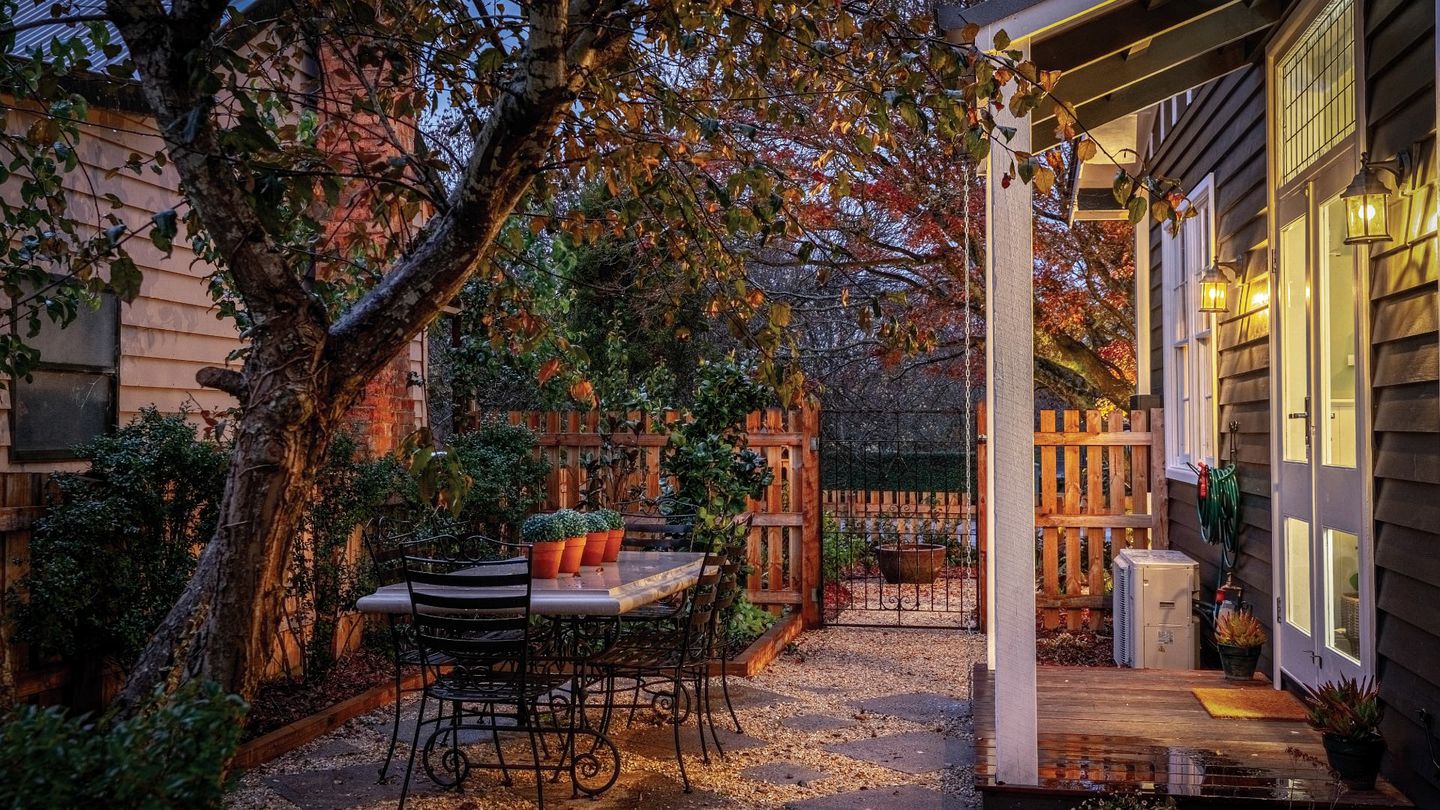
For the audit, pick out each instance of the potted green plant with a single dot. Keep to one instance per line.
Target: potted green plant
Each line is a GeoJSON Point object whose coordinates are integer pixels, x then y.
{"type": "Point", "coordinates": [615, 525]}
{"type": "Point", "coordinates": [571, 525]}
{"type": "Point", "coordinates": [597, 535]}
{"type": "Point", "coordinates": [547, 544]}
{"type": "Point", "coordinates": [1239, 636]}
{"type": "Point", "coordinates": [1347, 714]}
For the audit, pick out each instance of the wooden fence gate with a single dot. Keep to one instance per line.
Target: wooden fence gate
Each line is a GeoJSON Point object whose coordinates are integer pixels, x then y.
{"type": "Point", "coordinates": [1100, 488]}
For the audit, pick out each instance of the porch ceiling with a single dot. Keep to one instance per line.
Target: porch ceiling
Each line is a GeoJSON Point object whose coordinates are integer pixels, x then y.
{"type": "Point", "coordinates": [1121, 56]}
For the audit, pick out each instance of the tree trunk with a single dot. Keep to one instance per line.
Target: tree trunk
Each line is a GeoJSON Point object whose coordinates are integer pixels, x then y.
{"type": "Point", "coordinates": [224, 626]}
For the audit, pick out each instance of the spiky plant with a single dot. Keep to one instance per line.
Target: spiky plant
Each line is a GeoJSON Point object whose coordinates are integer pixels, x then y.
{"type": "Point", "coordinates": [1346, 709]}
{"type": "Point", "coordinates": [1239, 629]}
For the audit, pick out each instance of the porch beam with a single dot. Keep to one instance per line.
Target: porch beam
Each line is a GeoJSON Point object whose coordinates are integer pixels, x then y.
{"type": "Point", "coordinates": [1010, 441]}
{"type": "Point", "coordinates": [1116, 31]}
{"type": "Point", "coordinates": [1136, 97]}
{"type": "Point", "coordinates": [1124, 68]}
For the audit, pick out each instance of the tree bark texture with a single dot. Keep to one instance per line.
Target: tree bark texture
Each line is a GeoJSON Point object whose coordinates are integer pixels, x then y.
{"type": "Point", "coordinates": [303, 373]}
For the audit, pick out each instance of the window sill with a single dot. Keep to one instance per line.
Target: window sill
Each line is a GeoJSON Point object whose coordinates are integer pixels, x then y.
{"type": "Point", "coordinates": [1182, 474]}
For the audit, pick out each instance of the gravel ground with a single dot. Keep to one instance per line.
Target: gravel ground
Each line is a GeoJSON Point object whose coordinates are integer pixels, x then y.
{"type": "Point", "coordinates": [806, 702]}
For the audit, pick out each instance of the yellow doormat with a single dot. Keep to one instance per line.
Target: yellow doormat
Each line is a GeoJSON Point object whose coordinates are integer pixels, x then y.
{"type": "Point", "coordinates": [1250, 704]}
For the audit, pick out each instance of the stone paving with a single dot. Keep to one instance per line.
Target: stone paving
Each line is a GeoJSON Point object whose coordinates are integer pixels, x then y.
{"type": "Point", "coordinates": [847, 719]}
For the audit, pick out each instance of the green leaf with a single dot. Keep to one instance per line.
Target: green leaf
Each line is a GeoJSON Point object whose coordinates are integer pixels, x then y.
{"type": "Point", "coordinates": [125, 278]}
{"type": "Point", "coordinates": [1137, 208]}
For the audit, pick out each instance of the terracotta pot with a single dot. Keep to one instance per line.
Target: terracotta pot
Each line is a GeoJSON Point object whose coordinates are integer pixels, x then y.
{"type": "Point", "coordinates": [594, 547]}
{"type": "Point", "coordinates": [612, 545]}
{"type": "Point", "coordinates": [545, 559]}
{"type": "Point", "coordinates": [574, 550]}
{"type": "Point", "coordinates": [910, 563]}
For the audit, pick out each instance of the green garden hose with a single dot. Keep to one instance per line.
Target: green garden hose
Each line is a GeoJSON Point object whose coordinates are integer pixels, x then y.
{"type": "Point", "coordinates": [1218, 508]}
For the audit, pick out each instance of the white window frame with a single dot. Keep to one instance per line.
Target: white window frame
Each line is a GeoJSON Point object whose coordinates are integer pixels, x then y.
{"type": "Point", "coordinates": [1189, 393]}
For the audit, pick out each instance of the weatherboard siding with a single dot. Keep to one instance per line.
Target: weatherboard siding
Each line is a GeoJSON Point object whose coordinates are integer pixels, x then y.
{"type": "Point", "coordinates": [1405, 382]}
{"type": "Point", "coordinates": [1222, 132]}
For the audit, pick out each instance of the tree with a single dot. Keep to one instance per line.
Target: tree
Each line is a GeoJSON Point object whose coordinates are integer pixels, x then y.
{"type": "Point", "coordinates": [340, 226]}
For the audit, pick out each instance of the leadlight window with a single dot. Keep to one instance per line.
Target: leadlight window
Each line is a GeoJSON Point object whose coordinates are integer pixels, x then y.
{"type": "Point", "coordinates": [1317, 89]}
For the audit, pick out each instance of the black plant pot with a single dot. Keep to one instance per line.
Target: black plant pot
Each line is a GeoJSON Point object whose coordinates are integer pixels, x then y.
{"type": "Point", "coordinates": [1238, 662]}
{"type": "Point", "coordinates": [1358, 763]}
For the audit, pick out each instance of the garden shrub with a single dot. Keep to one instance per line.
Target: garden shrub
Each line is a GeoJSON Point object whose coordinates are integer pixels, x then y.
{"type": "Point", "coordinates": [171, 754]}
{"type": "Point", "coordinates": [509, 477]}
{"type": "Point", "coordinates": [112, 556]}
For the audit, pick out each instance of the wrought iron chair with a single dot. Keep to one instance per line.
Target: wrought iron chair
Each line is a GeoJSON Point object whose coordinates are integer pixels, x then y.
{"type": "Point", "coordinates": [387, 551]}
{"type": "Point", "coordinates": [666, 659]}
{"type": "Point", "coordinates": [474, 610]}
{"type": "Point", "coordinates": [722, 645]}
{"type": "Point", "coordinates": [658, 524]}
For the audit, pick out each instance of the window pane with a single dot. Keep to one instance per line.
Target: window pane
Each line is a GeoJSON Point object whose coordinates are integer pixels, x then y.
{"type": "Point", "coordinates": [1342, 589]}
{"type": "Point", "coordinates": [60, 409]}
{"type": "Point", "coordinates": [1338, 440]}
{"type": "Point", "coordinates": [1318, 78]}
{"type": "Point", "coordinates": [1297, 574]}
{"type": "Point", "coordinates": [1294, 306]}
{"type": "Point", "coordinates": [89, 340]}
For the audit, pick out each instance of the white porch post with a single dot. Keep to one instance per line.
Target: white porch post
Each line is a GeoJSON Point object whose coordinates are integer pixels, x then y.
{"type": "Point", "coordinates": [1010, 406]}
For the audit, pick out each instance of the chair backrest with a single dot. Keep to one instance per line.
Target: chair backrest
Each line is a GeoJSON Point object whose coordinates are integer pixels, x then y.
{"type": "Point", "coordinates": [475, 607]}
{"type": "Point", "coordinates": [658, 524]}
{"type": "Point", "coordinates": [701, 620]}
{"type": "Point", "coordinates": [385, 544]}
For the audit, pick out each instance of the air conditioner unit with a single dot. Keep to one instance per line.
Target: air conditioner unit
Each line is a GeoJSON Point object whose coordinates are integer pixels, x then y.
{"type": "Point", "coordinates": [1154, 626]}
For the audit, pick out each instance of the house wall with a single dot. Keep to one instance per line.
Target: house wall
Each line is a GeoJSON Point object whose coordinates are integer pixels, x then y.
{"type": "Point", "coordinates": [1222, 132]}
{"type": "Point", "coordinates": [1405, 379]}
{"type": "Point", "coordinates": [171, 330]}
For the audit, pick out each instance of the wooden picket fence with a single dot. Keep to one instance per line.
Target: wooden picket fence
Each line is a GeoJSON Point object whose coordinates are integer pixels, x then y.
{"type": "Point", "coordinates": [784, 544]}
{"type": "Point", "coordinates": [1101, 489]}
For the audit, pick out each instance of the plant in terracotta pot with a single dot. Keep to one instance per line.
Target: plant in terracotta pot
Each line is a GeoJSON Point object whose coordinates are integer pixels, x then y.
{"type": "Point", "coordinates": [597, 535]}
{"type": "Point", "coordinates": [571, 525]}
{"type": "Point", "coordinates": [547, 544]}
{"type": "Point", "coordinates": [615, 533]}
{"type": "Point", "coordinates": [1239, 636]}
{"type": "Point", "coordinates": [1347, 714]}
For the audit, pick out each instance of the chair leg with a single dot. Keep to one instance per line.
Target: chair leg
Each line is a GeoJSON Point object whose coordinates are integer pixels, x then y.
{"type": "Point", "coordinates": [700, 709]}
{"type": "Point", "coordinates": [710, 719]}
{"type": "Point", "coordinates": [455, 744]}
{"type": "Point", "coordinates": [414, 744]}
{"type": "Point", "coordinates": [499, 752]}
{"type": "Point", "coordinates": [530, 725]}
{"type": "Point", "coordinates": [725, 689]}
{"type": "Point", "coordinates": [395, 724]}
{"type": "Point", "coordinates": [678, 685]}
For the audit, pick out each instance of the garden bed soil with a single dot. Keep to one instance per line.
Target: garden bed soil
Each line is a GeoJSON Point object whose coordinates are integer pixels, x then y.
{"type": "Point", "coordinates": [282, 702]}
{"type": "Point", "coordinates": [1075, 648]}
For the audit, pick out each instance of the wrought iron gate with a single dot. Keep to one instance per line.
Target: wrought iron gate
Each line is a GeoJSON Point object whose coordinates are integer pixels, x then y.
{"type": "Point", "coordinates": [899, 546]}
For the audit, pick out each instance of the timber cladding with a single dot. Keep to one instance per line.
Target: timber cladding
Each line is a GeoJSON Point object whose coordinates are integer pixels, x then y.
{"type": "Point", "coordinates": [1222, 133]}
{"type": "Point", "coordinates": [1405, 395]}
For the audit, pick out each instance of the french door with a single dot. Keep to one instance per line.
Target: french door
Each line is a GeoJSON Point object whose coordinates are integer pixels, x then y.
{"type": "Point", "coordinates": [1324, 604]}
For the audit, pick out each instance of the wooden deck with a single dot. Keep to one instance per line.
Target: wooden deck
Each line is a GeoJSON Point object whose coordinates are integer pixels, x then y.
{"type": "Point", "coordinates": [1143, 731]}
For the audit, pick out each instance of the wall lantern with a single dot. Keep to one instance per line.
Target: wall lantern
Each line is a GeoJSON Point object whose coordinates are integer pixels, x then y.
{"type": "Point", "coordinates": [1367, 199]}
{"type": "Point", "coordinates": [1215, 287]}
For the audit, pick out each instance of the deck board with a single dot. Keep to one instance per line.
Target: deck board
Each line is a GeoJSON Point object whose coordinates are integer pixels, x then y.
{"type": "Point", "coordinates": [1143, 730]}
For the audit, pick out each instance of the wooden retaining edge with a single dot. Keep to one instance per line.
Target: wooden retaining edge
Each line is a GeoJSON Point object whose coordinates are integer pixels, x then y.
{"type": "Point", "coordinates": [287, 738]}
{"type": "Point", "coordinates": [764, 649]}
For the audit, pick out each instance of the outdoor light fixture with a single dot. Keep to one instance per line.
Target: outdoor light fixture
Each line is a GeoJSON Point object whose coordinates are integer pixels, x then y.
{"type": "Point", "coordinates": [1215, 287]}
{"type": "Point", "coordinates": [1367, 198]}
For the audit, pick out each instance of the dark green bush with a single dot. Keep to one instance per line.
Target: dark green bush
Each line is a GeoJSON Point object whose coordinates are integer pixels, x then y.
{"type": "Point", "coordinates": [509, 477]}
{"type": "Point", "coordinates": [109, 560]}
{"type": "Point", "coordinates": [170, 755]}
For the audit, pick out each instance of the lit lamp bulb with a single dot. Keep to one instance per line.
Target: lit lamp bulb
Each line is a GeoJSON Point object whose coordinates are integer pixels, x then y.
{"type": "Point", "coordinates": [1366, 201]}
{"type": "Point", "coordinates": [1214, 291]}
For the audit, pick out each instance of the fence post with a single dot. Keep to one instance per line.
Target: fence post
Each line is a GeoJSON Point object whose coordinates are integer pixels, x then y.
{"type": "Point", "coordinates": [810, 585]}
{"type": "Point", "coordinates": [1159, 485]}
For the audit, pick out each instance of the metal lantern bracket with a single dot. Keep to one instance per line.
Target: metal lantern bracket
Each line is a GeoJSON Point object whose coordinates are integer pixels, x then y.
{"type": "Point", "coordinates": [1399, 167]}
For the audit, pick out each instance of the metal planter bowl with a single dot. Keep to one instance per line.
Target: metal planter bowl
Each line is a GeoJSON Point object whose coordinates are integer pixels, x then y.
{"type": "Point", "coordinates": [910, 563]}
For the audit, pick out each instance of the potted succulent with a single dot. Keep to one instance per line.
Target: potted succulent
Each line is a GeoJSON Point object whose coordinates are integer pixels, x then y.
{"type": "Point", "coordinates": [571, 525]}
{"type": "Point", "coordinates": [1347, 714]}
{"type": "Point", "coordinates": [597, 536]}
{"type": "Point", "coordinates": [1239, 636]}
{"type": "Point", "coordinates": [615, 523]}
{"type": "Point", "coordinates": [547, 545]}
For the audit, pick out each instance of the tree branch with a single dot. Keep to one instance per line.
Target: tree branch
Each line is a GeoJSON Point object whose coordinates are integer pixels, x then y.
{"type": "Point", "coordinates": [228, 380]}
